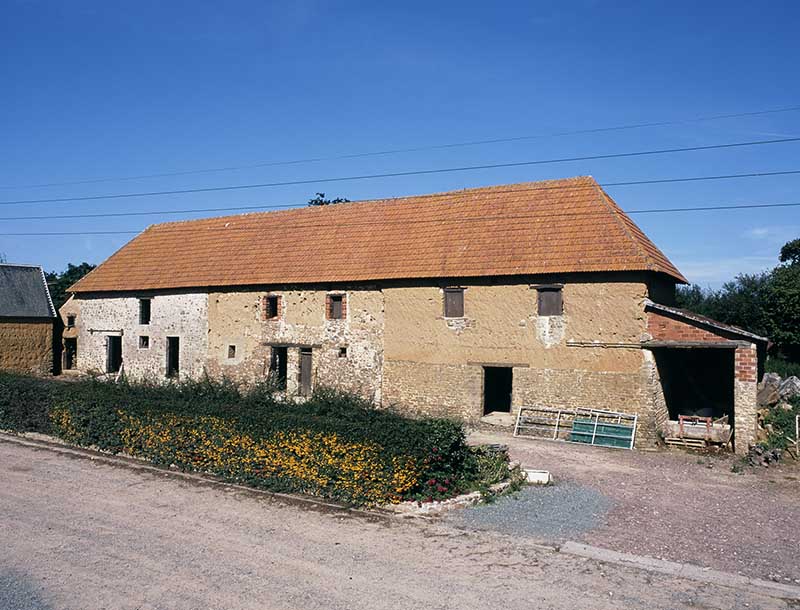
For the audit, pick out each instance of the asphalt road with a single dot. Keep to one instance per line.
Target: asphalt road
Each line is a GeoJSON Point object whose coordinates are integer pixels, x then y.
{"type": "Point", "coordinates": [84, 535]}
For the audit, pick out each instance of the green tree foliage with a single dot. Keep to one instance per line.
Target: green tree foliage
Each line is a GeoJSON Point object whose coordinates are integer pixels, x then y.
{"type": "Point", "coordinates": [320, 200]}
{"type": "Point", "coordinates": [767, 304]}
{"type": "Point", "coordinates": [60, 282]}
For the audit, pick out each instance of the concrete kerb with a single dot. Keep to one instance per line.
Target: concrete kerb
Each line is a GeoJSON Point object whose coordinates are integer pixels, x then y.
{"type": "Point", "coordinates": [647, 564]}
{"type": "Point", "coordinates": [683, 570]}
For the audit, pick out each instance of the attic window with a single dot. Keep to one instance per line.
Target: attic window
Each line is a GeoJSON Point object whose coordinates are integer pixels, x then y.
{"type": "Point", "coordinates": [271, 307]}
{"type": "Point", "coordinates": [144, 342]}
{"type": "Point", "coordinates": [343, 352]}
{"type": "Point", "coordinates": [336, 307]}
{"type": "Point", "coordinates": [550, 300]}
{"type": "Point", "coordinates": [71, 321]}
{"type": "Point", "coordinates": [144, 311]}
{"type": "Point", "coordinates": [453, 302]}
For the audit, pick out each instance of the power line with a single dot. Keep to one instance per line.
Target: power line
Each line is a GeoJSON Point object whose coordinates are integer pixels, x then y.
{"type": "Point", "coordinates": [164, 230]}
{"type": "Point", "coordinates": [407, 173]}
{"type": "Point", "coordinates": [426, 196]}
{"type": "Point", "coordinates": [409, 150]}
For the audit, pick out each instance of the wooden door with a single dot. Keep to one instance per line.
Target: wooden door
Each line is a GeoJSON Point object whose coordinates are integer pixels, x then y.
{"type": "Point", "coordinates": [305, 371]}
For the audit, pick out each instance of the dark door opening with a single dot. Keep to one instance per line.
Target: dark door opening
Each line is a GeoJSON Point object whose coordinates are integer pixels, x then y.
{"type": "Point", "coordinates": [173, 356]}
{"type": "Point", "coordinates": [277, 366]}
{"type": "Point", "coordinates": [497, 389]}
{"type": "Point", "coordinates": [113, 353]}
{"type": "Point", "coordinates": [70, 353]}
{"type": "Point", "coordinates": [697, 381]}
{"type": "Point", "coordinates": [305, 371]}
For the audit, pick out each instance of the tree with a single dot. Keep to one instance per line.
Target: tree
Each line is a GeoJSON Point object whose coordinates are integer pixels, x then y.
{"type": "Point", "coordinates": [767, 304]}
{"type": "Point", "coordinates": [58, 283]}
{"type": "Point", "coordinates": [320, 200]}
{"type": "Point", "coordinates": [790, 253]}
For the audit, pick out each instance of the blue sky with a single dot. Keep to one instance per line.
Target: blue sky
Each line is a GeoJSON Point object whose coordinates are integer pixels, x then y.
{"type": "Point", "coordinates": [111, 89]}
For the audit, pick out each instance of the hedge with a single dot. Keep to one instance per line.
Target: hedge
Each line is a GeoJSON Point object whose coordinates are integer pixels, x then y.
{"type": "Point", "coordinates": [334, 445]}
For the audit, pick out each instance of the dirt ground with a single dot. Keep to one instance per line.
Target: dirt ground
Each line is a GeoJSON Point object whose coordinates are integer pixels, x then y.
{"type": "Point", "coordinates": [79, 534]}
{"type": "Point", "coordinates": [681, 506]}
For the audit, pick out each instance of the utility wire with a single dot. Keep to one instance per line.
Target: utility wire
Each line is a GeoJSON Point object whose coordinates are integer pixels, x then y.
{"type": "Point", "coordinates": [228, 230]}
{"type": "Point", "coordinates": [451, 194]}
{"type": "Point", "coordinates": [411, 149]}
{"type": "Point", "coordinates": [407, 173]}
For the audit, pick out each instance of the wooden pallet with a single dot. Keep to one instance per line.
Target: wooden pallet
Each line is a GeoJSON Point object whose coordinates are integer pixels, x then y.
{"type": "Point", "coordinates": [694, 443]}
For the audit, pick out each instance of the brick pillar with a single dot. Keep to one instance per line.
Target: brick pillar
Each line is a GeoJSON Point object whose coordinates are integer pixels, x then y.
{"type": "Point", "coordinates": [744, 397]}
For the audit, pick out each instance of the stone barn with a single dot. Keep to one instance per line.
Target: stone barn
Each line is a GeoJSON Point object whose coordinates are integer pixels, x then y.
{"type": "Point", "coordinates": [27, 320]}
{"type": "Point", "coordinates": [453, 304]}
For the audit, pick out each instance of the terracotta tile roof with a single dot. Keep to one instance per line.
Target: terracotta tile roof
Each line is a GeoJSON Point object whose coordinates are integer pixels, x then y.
{"type": "Point", "coordinates": [556, 226]}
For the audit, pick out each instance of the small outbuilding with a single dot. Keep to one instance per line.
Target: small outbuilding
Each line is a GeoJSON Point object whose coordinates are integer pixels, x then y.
{"type": "Point", "coordinates": [27, 320]}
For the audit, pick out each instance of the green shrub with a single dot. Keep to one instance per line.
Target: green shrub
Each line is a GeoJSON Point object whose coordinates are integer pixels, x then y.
{"type": "Point", "coordinates": [335, 444]}
{"type": "Point", "coordinates": [782, 422]}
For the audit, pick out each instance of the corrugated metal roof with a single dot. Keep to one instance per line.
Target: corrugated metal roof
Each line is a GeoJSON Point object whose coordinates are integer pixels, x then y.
{"type": "Point", "coordinates": [558, 226]}
{"type": "Point", "coordinates": [24, 293]}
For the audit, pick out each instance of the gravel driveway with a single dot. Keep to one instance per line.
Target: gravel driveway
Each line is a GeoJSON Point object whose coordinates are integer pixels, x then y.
{"type": "Point", "coordinates": [665, 504]}
{"type": "Point", "coordinates": [78, 534]}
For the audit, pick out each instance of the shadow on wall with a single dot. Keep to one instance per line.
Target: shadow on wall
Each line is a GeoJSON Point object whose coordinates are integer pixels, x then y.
{"type": "Point", "coordinates": [18, 591]}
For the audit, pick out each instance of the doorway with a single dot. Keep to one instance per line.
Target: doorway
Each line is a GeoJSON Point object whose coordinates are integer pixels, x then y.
{"type": "Point", "coordinates": [497, 382]}
{"type": "Point", "coordinates": [305, 371]}
{"type": "Point", "coordinates": [113, 353]}
{"type": "Point", "coordinates": [173, 356]}
{"type": "Point", "coordinates": [70, 353]}
{"type": "Point", "coordinates": [277, 366]}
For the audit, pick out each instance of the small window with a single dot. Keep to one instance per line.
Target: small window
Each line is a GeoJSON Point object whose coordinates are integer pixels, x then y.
{"type": "Point", "coordinates": [342, 352]}
{"type": "Point", "coordinates": [71, 321]}
{"type": "Point", "coordinates": [453, 302]}
{"type": "Point", "coordinates": [144, 311]}
{"type": "Point", "coordinates": [231, 351]}
{"type": "Point", "coordinates": [336, 307]}
{"type": "Point", "coordinates": [144, 342]}
{"type": "Point", "coordinates": [550, 302]}
{"type": "Point", "coordinates": [272, 307]}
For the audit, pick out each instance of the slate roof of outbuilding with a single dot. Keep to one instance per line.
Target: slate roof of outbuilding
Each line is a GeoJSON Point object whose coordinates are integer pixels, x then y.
{"type": "Point", "coordinates": [24, 292]}
{"type": "Point", "coordinates": [551, 227]}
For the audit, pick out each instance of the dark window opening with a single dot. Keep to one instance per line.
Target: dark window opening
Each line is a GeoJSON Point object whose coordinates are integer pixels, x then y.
{"type": "Point", "coordinates": [497, 389]}
{"type": "Point", "coordinates": [144, 311]}
{"type": "Point", "coordinates": [231, 351]}
{"type": "Point", "coordinates": [277, 366]}
{"type": "Point", "coordinates": [71, 321]}
{"type": "Point", "coordinates": [336, 306]}
{"type": "Point", "coordinates": [342, 352]}
{"type": "Point", "coordinates": [271, 307]}
{"type": "Point", "coordinates": [453, 302]}
{"type": "Point", "coordinates": [70, 353]}
{"type": "Point", "coordinates": [113, 354]}
{"type": "Point", "coordinates": [144, 342]}
{"type": "Point", "coordinates": [550, 301]}
{"type": "Point", "coordinates": [305, 371]}
{"type": "Point", "coordinates": [173, 356]}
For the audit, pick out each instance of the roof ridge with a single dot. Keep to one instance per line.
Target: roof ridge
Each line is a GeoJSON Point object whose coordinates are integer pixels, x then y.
{"type": "Point", "coordinates": [384, 200]}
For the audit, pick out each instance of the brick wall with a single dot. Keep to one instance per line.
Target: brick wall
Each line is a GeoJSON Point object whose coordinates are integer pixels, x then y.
{"type": "Point", "coordinates": [26, 345]}
{"type": "Point", "coordinates": [664, 328]}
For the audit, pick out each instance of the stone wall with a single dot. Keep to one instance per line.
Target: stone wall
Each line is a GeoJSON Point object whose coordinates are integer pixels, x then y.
{"type": "Point", "coordinates": [26, 345]}
{"type": "Point", "coordinates": [346, 353]}
{"type": "Point", "coordinates": [183, 315]}
{"type": "Point", "coordinates": [745, 391]}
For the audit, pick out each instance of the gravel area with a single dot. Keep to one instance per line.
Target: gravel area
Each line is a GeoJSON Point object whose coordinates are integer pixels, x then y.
{"type": "Point", "coordinates": [680, 506]}
{"type": "Point", "coordinates": [559, 512]}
